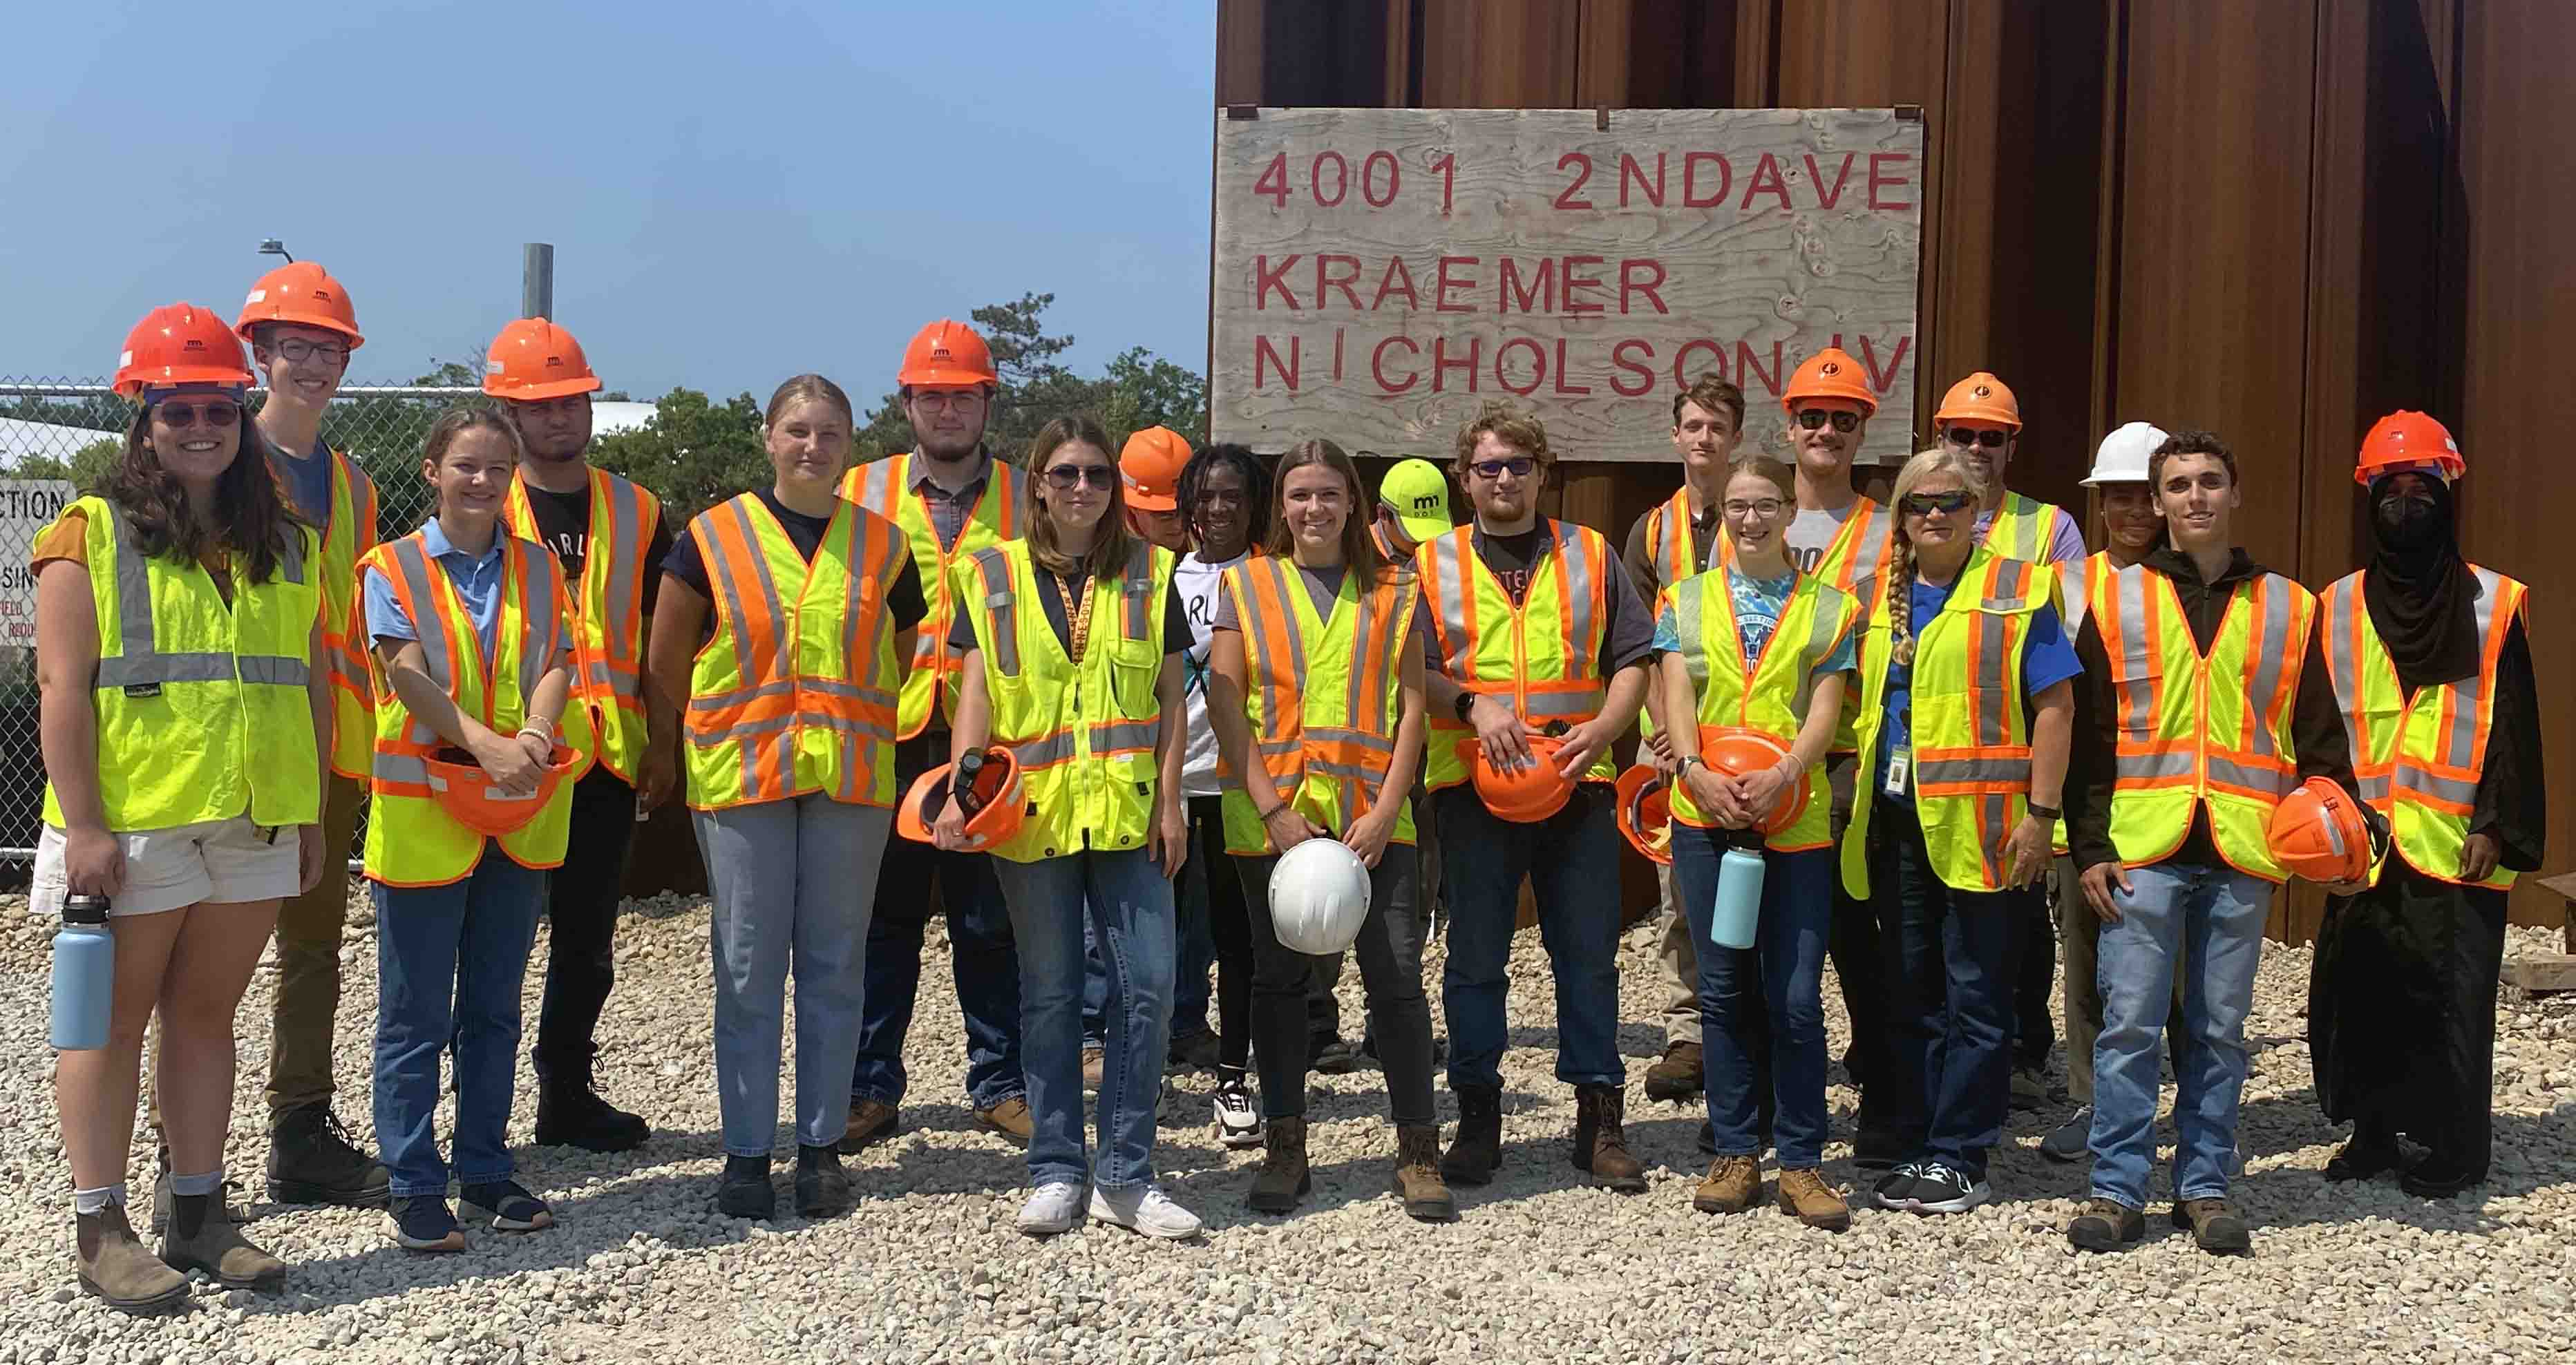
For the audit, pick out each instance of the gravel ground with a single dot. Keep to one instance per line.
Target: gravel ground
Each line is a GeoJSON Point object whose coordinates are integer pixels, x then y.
{"type": "Point", "coordinates": [640, 1266]}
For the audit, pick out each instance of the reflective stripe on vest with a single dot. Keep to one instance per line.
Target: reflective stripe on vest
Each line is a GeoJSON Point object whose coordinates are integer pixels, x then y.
{"type": "Point", "coordinates": [608, 609]}
{"type": "Point", "coordinates": [2023, 528]}
{"type": "Point", "coordinates": [2418, 759]}
{"type": "Point", "coordinates": [1541, 656]}
{"type": "Point", "coordinates": [795, 692]}
{"type": "Point", "coordinates": [202, 711]}
{"type": "Point", "coordinates": [2211, 730]}
{"type": "Point", "coordinates": [1322, 696]}
{"type": "Point", "coordinates": [1772, 695]}
{"type": "Point", "coordinates": [885, 488]}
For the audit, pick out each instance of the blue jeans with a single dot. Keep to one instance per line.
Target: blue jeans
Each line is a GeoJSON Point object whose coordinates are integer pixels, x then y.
{"type": "Point", "coordinates": [450, 961]}
{"type": "Point", "coordinates": [791, 884]}
{"type": "Point", "coordinates": [1571, 860]}
{"type": "Point", "coordinates": [2203, 922]}
{"type": "Point", "coordinates": [912, 878]}
{"type": "Point", "coordinates": [1780, 979]}
{"type": "Point", "coordinates": [1134, 902]}
{"type": "Point", "coordinates": [1191, 900]}
{"type": "Point", "coordinates": [1949, 961]}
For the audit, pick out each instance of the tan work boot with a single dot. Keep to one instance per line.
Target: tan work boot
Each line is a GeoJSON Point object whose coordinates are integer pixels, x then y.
{"type": "Point", "coordinates": [870, 1120]}
{"type": "Point", "coordinates": [113, 1264]}
{"type": "Point", "coordinates": [1805, 1195]}
{"type": "Point", "coordinates": [203, 1238]}
{"type": "Point", "coordinates": [1731, 1185]}
{"type": "Point", "coordinates": [1417, 1174]}
{"type": "Point", "coordinates": [1284, 1178]}
{"type": "Point", "coordinates": [1601, 1140]}
{"type": "Point", "coordinates": [1010, 1118]}
{"type": "Point", "coordinates": [1681, 1074]}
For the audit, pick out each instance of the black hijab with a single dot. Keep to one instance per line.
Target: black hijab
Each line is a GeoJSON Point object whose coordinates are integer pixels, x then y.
{"type": "Point", "coordinates": [2421, 595]}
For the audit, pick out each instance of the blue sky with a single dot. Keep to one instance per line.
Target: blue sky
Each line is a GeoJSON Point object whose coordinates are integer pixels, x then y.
{"type": "Point", "coordinates": [735, 192]}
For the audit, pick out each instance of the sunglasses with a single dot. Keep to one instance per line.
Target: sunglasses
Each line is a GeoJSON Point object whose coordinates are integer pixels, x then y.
{"type": "Point", "coordinates": [1814, 419]}
{"type": "Point", "coordinates": [1066, 477]}
{"type": "Point", "coordinates": [1519, 467]}
{"type": "Point", "coordinates": [177, 415]}
{"type": "Point", "coordinates": [298, 350]}
{"type": "Point", "coordinates": [1970, 436]}
{"type": "Point", "coordinates": [1925, 504]}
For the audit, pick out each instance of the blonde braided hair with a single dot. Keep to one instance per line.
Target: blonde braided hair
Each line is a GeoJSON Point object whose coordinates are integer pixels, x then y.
{"type": "Point", "coordinates": [1900, 587]}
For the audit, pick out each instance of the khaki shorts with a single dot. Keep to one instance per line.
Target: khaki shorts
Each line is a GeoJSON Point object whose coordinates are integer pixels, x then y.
{"type": "Point", "coordinates": [168, 869]}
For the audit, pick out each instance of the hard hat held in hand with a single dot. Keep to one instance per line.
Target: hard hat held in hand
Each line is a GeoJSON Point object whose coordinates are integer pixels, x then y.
{"type": "Point", "coordinates": [1739, 751]}
{"type": "Point", "coordinates": [2321, 833]}
{"type": "Point", "coordinates": [1645, 813]}
{"type": "Point", "coordinates": [2406, 441]}
{"type": "Point", "coordinates": [304, 294]}
{"type": "Point", "coordinates": [1526, 794]}
{"type": "Point", "coordinates": [2125, 454]}
{"type": "Point", "coordinates": [176, 344]}
{"type": "Point", "coordinates": [472, 799]}
{"type": "Point", "coordinates": [993, 803]}
{"type": "Point", "coordinates": [1319, 894]}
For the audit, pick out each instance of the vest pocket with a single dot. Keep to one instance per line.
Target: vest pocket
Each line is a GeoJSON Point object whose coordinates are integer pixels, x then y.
{"type": "Point", "coordinates": [1134, 667]}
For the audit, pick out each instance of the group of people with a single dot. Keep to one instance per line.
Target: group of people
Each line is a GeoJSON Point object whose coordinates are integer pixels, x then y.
{"type": "Point", "coordinates": [1035, 688]}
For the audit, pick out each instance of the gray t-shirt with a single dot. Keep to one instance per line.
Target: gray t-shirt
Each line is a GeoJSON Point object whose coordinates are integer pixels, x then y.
{"type": "Point", "coordinates": [1812, 532]}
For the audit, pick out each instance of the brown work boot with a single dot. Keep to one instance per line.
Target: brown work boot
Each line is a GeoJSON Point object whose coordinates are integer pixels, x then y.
{"type": "Point", "coordinates": [1417, 1174]}
{"type": "Point", "coordinates": [2215, 1225]}
{"type": "Point", "coordinates": [201, 1237]}
{"type": "Point", "coordinates": [1601, 1139]}
{"type": "Point", "coordinates": [1731, 1185]}
{"type": "Point", "coordinates": [113, 1264]}
{"type": "Point", "coordinates": [1010, 1118]}
{"type": "Point", "coordinates": [870, 1121]}
{"type": "Point", "coordinates": [1681, 1074]}
{"type": "Point", "coordinates": [1805, 1195]}
{"type": "Point", "coordinates": [1284, 1178]}
{"type": "Point", "coordinates": [2106, 1225]}
{"type": "Point", "coordinates": [1476, 1149]}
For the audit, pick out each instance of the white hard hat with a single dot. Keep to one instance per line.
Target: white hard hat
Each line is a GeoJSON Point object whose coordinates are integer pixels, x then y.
{"type": "Point", "coordinates": [1319, 893]}
{"type": "Point", "coordinates": [2123, 456]}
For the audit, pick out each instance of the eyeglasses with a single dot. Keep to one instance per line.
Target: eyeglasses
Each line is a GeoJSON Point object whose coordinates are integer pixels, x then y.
{"type": "Point", "coordinates": [1925, 504]}
{"type": "Point", "coordinates": [177, 415]}
{"type": "Point", "coordinates": [1990, 438]}
{"type": "Point", "coordinates": [1066, 476]}
{"type": "Point", "coordinates": [1768, 507]}
{"type": "Point", "coordinates": [299, 350]}
{"type": "Point", "coordinates": [1814, 419]}
{"type": "Point", "coordinates": [1518, 466]}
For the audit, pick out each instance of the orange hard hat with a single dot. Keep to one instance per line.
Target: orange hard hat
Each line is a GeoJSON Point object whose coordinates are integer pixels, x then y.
{"type": "Point", "coordinates": [1738, 751]}
{"type": "Point", "coordinates": [533, 359]}
{"type": "Point", "coordinates": [996, 805]}
{"type": "Point", "coordinates": [1526, 794]}
{"type": "Point", "coordinates": [1980, 398]}
{"type": "Point", "coordinates": [1645, 813]}
{"type": "Point", "coordinates": [1829, 373]}
{"type": "Point", "coordinates": [2405, 440]}
{"type": "Point", "coordinates": [302, 293]}
{"type": "Point", "coordinates": [2321, 833]}
{"type": "Point", "coordinates": [1151, 463]}
{"type": "Point", "coordinates": [180, 343]}
{"type": "Point", "coordinates": [946, 354]}
{"type": "Point", "coordinates": [468, 796]}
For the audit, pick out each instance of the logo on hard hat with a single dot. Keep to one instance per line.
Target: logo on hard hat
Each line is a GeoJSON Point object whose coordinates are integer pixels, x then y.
{"type": "Point", "coordinates": [1830, 367]}
{"type": "Point", "coordinates": [255, 296]}
{"type": "Point", "coordinates": [553, 360]}
{"type": "Point", "coordinates": [939, 350]}
{"type": "Point", "coordinates": [1984, 392]}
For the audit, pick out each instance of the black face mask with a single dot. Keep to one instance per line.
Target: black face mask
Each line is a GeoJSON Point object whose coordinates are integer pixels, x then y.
{"type": "Point", "coordinates": [2411, 523]}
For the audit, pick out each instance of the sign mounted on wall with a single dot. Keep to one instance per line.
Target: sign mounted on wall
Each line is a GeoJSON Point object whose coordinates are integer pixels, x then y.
{"type": "Point", "coordinates": [1380, 274]}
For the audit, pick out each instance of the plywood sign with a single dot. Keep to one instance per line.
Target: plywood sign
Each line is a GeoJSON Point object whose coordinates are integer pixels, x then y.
{"type": "Point", "coordinates": [1380, 274]}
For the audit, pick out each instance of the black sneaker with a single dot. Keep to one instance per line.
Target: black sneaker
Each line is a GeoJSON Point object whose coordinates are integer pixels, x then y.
{"type": "Point", "coordinates": [744, 1191]}
{"type": "Point", "coordinates": [822, 1187]}
{"type": "Point", "coordinates": [1940, 1189]}
{"type": "Point", "coordinates": [312, 1161]}
{"type": "Point", "coordinates": [2069, 1141]}
{"type": "Point", "coordinates": [571, 1114]}
{"type": "Point", "coordinates": [1333, 1057]}
{"type": "Point", "coordinates": [507, 1204]}
{"type": "Point", "coordinates": [422, 1222]}
{"type": "Point", "coordinates": [1895, 1190]}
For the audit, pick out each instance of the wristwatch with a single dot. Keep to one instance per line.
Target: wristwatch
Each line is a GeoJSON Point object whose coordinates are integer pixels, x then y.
{"type": "Point", "coordinates": [1466, 707]}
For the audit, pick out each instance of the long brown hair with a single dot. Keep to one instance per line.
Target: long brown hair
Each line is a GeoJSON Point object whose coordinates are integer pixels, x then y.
{"type": "Point", "coordinates": [251, 517]}
{"type": "Point", "coordinates": [1112, 542]}
{"type": "Point", "coordinates": [1359, 548]}
{"type": "Point", "coordinates": [1900, 587]}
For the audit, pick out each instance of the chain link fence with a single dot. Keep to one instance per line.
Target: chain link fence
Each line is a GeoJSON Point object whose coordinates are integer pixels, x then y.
{"type": "Point", "coordinates": [54, 438]}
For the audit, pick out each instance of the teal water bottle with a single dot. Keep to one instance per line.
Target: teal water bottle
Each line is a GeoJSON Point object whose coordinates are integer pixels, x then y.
{"type": "Point", "coordinates": [84, 975]}
{"type": "Point", "coordinates": [1739, 892]}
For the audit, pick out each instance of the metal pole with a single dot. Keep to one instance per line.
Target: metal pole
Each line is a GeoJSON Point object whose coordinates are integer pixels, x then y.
{"type": "Point", "coordinates": [537, 281]}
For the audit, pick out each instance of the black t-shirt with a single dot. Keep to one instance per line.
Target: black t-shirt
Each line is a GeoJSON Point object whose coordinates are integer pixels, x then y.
{"type": "Point", "coordinates": [904, 601]}
{"type": "Point", "coordinates": [1177, 635]}
{"type": "Point", "coordinates": [1513, 558]}
{"type": "Point", "coordinates": [563, 526]}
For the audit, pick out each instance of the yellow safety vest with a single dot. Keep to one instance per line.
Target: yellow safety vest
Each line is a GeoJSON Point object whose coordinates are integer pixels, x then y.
{"type": "Point", "coordinates": [1322, 696]}
{"type": "Point", "coordinates": [2418, 759]}
{"type": "Point", "coordinates": [1856, 562]}
{"type": "Point", "coordinates": [608, 610]}
{"type": "Point", "coordinates": [352, 533]}
{"type": "Point", "coordinates": [2023, 528]}
{"type": "Point", "coordinates": [1969, 718]}
{"type": "Point", "coordinates": [2208, 732]}
{"type": "Point", "coordinates": [202, 709]}
{"type": "Point", "coordinates": [885, 488]}
{"type": "Point", "coordinates": [795, 693]}
{"type": "Point", "coordinates": [411, 839]}
{"type": "Point", "coordinates": [1543, 656]}
{"type": "Point", "coordinates": [1772, 696]}
{"type": "Point", "coordinates": [1084, 733]}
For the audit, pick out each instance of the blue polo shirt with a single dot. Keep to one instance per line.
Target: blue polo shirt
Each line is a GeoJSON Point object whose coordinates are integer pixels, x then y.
{"type": "Point", "coordinates": [477, 579]}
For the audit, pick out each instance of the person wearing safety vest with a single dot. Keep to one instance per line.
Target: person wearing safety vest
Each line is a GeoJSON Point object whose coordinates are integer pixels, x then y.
{"type": "Point", "coordinates": [786, 623]}
{"type": "Point", "coordinates": [607, 534]}
{"type": "Point", "coordinates": [1979, 420]}
{"type": "Point", "coordinates": [1752, 643]}
{"type": "Point", "coordinates": [302, 328]}
{"type": "Point", "coordinates": [1071, 642]}
{"type": "Point", "coordinates": [2431, 661]}
{"type": "Point", "coordinates": [952, 498]}
{"type": "Point", "coordinates": [1966, 694]}
{"type": "Point", "coordinates": [1317, 673]}
{"type": "Point", "coordinates": [2204, 701]}
{"type": "Point", "coordinates": [1847, 540]}
{"type": "Point", "coordinates": [1670, 543]}
{"type": "Point", "coordinates": [186, 716]}
{"type": "Point", "coordinates": [473, 668]}
{"type": "Point", "coordinates": [1535, 633]}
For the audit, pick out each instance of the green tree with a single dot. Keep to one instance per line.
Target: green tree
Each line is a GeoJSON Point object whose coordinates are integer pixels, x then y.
{"type": "Point", "coordinates": [1137, 390]}
{"type": "Point", "coordinates": [85, 468]}
{"type": "Point", "coordinates": [692, 454]}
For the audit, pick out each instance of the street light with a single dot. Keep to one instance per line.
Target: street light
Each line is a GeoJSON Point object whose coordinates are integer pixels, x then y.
{"type": "Point", "coordinates": [270, 246]}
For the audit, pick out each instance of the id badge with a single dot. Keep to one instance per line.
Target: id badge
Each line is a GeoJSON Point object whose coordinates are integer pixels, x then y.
{"type": "Point", "coordinates": [1900, 771]}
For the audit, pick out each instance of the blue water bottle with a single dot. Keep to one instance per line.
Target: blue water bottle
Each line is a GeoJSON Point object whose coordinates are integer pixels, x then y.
{"type": "Point", "coordinates": [84, 975]}
{"type": "Point", "coordinates": [1739, 892]}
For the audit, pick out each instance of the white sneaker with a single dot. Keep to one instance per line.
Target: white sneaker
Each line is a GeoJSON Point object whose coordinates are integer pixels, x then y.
{"type": "Point", "coordinates": [1056, 1207]}
{"type": "Point", "coordinates": [1238, 1119]}
{"type": "Point", "coordinates": [1146, 1209]}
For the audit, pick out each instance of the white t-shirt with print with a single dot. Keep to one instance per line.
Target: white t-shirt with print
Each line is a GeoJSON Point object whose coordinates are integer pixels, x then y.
{"type": "Point", "coordinates": [1197, 581]}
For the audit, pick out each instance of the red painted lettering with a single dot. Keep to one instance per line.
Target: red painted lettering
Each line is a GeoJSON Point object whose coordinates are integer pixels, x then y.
{"type": "Point", "coordinates": [1443, 284]}
{"type": "Point", "coordinates": [1883, 380]}
{"type": "Point", "coordinates": [1339, 335]}
{"type": "Point", "coordinates": [1441, 364]}
{"type": "Point", "coordinates": [1397, 279]}
{"type": "Point", "coordinates": [1503, 367]}
{"type": "Point", "coordinates": [1265, 279]}
{"type": "Point", "coordinates": [1274, 181]}
{"type": "Point", "coordinates": [1817, 178]}
{"type": "Point", "coordinates": [1878, 181]}
{"type": "Point", "coordinates": [1571, 281]}
{"type": "Point", "coordinates": [1629, 170]}
{"type": "Point", "coordinates": [1561, 370]}
{"type": "Point", "coordinates": [1778, 185]}
{"type": "Point", "coordinates": [1326, 279]}
{"type": "Point", "coordinates": [1541, 290]}
{"type": "Point", "coordinates": [1377, 365]}
{"type": "Point", "coordinates": [1638, 378]}
{"type": "Point", "coordinates": [1748, 365]}
{"type": "Point", "coordinates": [1263, 348]}
{"type": "Point", "coordinates": [1565, 198]}
{"type": "Point", "coordinates": [1690, 180]}
{"type": "Point", "coordinates": [1642, 277]}
{"type": "Point", "coordinates": [1681, 361]}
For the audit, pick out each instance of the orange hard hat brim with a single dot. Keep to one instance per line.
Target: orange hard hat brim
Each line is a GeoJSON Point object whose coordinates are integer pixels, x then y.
{"type": "Point", "coordinates": [174, 376]}
{"type": "Point", "coordinates": [534, 393]}
{"type": "Point", "coordinates": [243, 326]}
{"type": "Point", "coordinates": [944, 377]}
{"type": "Point", "coordinates": [1152, 502]}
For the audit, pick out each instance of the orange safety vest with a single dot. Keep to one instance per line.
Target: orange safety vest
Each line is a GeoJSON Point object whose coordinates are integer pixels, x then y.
{"type": "Point", "coordinates": [1322, 695]}
{"type": "Point", "coordinates": [607, 609]}
{"type": "Point", "coordinates": [1672, 544]}
{"type": "Point", "coordinates": [1543, 655]}
{"type": "Point", "coordinates": [885, 488]}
